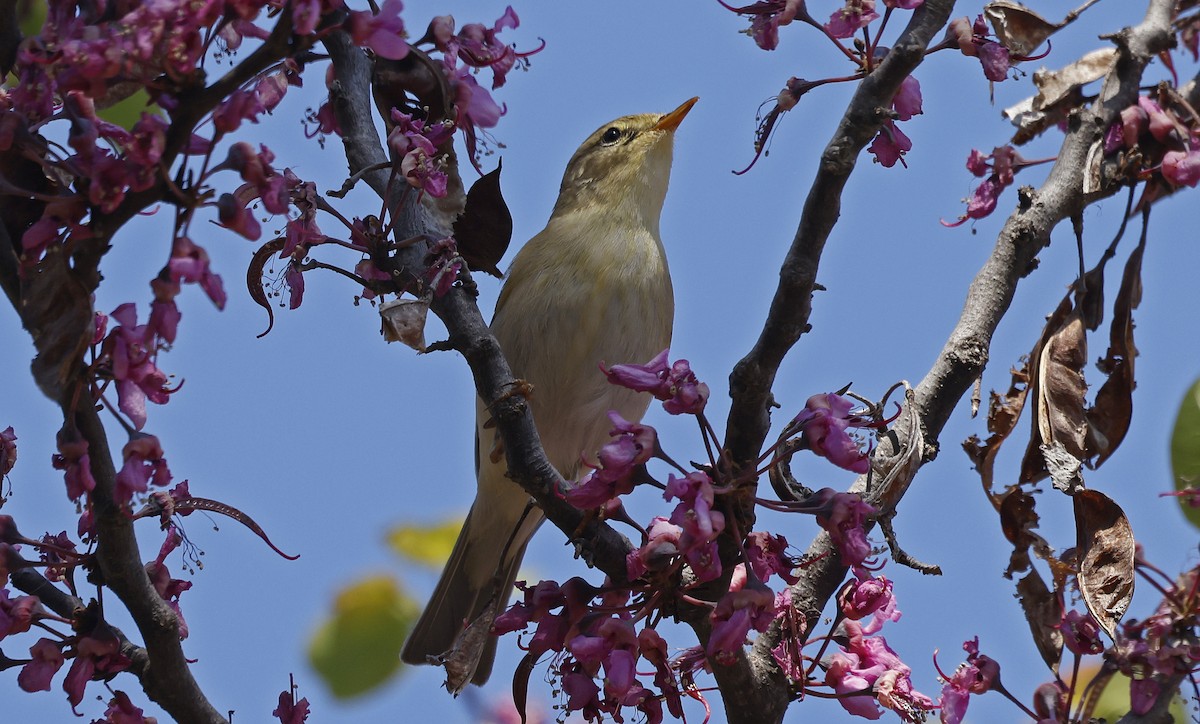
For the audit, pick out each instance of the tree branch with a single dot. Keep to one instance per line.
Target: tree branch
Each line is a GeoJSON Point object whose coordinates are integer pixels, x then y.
{"type": "Point", "coordinates": [753, 688]}
{"type": "Point", "coordinates": [168, 680]}
{"type": "Point", "coordinates": [965, 354]}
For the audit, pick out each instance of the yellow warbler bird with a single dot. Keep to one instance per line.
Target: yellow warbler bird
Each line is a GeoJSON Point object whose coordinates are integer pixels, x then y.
{"type": "Point", "coordinates": [592, 287]}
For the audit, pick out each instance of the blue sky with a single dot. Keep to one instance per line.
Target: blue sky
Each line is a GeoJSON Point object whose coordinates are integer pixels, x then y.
{"type": "Point", "coordinates": [328, 437]}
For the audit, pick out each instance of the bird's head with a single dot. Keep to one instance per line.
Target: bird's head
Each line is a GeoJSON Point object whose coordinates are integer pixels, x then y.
{"type": "Point", "coordinates": [625, 163]}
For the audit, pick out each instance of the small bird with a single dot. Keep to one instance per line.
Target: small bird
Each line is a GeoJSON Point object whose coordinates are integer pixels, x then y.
{"type": "Point", "coordinates": [591, 287]}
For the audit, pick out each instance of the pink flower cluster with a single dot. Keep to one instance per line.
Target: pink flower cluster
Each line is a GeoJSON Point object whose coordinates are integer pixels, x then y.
{"type": "Point", "coordinates": [414, 146]}
{"type": "Point", "coordinates": [868, 664]}
{"type": "Point", "coordinates": [675, 384]}
{"type": "Point", "coordinates": [589, 645]}
{"type": "Point", "coordinates": [979, 674]}
{"type": "Point", "coordinates": [1163, 136]}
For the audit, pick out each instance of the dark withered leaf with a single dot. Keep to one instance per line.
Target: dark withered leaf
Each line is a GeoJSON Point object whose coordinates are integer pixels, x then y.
{"type": "Point", "coordinates": [1057, 387]}
{"type": "Point", "coordinates": [1105, 541]}
{"type": "Point", "coordinates": [1003, 413]}
{"type": "Point", "coordinates": [1017, 27]}
{"type": "Point", "coordinates": [57, 310]}
{"type": "Point", "coordinates": [254, 278]}
{"type": "Point", "coordinates": [1043, 611]}
{"type": "Point", "coordinates": [1110, 416]}
{"type": "Point", "coordinates": [1018, 517]}
{"type": "Point", "coordinates": [484, 229]}
{"type": "Point", "coordinates": [520, 685]}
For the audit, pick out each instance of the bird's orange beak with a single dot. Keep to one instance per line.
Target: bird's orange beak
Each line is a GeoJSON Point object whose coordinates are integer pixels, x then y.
{"type": "Point", "coordinates": [672, 120]}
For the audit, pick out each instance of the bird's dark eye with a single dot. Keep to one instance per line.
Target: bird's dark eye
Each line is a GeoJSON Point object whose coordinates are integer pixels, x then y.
{"type": "Point", "coordinates": [611, 136]}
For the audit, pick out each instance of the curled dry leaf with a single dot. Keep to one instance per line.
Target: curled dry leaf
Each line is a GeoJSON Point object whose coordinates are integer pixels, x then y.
{"type": "Point", "coordinates": [1032, 123]}
{"type": "Point", "coordinates": [1018, 519]}
{"type": "Point", "coordinates": [1043, 611]}
{"type": "Point", "coordinates": [484, 229]}
{"type": "Point", "coordinates": [404, 321]}
{"type": "Point", "coordinates": [1105, 541]}
{"type": "Point", "coordinates": [254, 278]}
{"type": "Point", "coordinates": [56, 308]}
{"type": "Point", "coordinates": [1003, 413]}
{"type": "Point", "coordinates": [1056, 85]}
{"type": "Point", "coordinates": [1059, 424]}
{"type": "Point", "coordinates": [1017, 27]}
{"type": "Point", "coordinates": [1109, 417]}
{"type": "Point", "coordinates": [463, 657]}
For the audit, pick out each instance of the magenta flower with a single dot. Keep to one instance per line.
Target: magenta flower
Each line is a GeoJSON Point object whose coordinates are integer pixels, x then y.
{"type": "Point", "coordinates": [45, 660]}
{"type": "Point", "coordinates": [189, 263]}
{"type": "Point", "coordinates": [477, 45]}
{"type": "Point", "coordinates": [73, 460]}
{"type": "Point", "coordinates": [972, 39]}
{"type": "Point", "coordinates": [978, 675]}
{"type": "Point", "coordinates": [842, 516]}
{"type": "Point", "coordinates": [766, 554]}
{"type": "Point", "coordinates": [382, 33]}
{"type": "Point", "coordinates": [631, 445]}
{"type": "Point", "coordinates": [867, 595]}
{"type": "Point", "coordinates": [289, 711]}
{"type": "Point", "coordinates": [847, 21]}
{"type": "Point", "coordinates": [735, 614]}
{"type": "Point", "coordinates": [235, 216]}
{"type": "Point", "coordinates": [676, 385]}
{"type": "Point", "coordinates": [144, 464]}
{"type": "Point", "coordinates": [122, 711]}
{"type": "Point", "coordinates": [416, 145]}
{"type": "Point", "coordinates": [661, 547]}
{"type": "Point", "coordinates": [767, 16]}
{"type": "Point", "coordinates": [890, 145]}
{"type": "Point", "coordinates": [133, 368]}
{"type": "Point", "coordinates": [1182, 168]}
{"type": "Point", "coordinates": [824, 421]}
{"type": "Point", "coordinates": [1081, 633]}
{"type": "Point", "coordinates": [241, 105]}
{"type": "Point", "coordinates": [8, 450]}
{"type": "Point", "coordinates": [907, 102]}
{"type": "Point", "coordinates": [700, 523]}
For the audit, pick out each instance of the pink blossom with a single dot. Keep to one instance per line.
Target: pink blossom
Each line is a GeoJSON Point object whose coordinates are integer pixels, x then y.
{"type": "Point", "coordinates": [824, 421]}
{"type": "Point", "coordinates": [847, 21]}
{"type": "Point", "coordinates": [676, 385]}
{"type": "Point", "coordinates": [1182, 168]}
{"type": "Point", "coordinates": [122, 711]}
{"type": "Point", "coordinates": [290, 711]}
{"type": "Point", "coordinates": [890, 145]}
{"type": "Point", "coordinates": [8, 450]}
{"type": "Point", "coordinates": [907, 101]}
{"type": "Point", "coordinates": [382, 33]}
{"type": "Point", "coordinates": [1081, 633]}
{"type": "Point", "coordinates": [144, 464]}
{"type": "Point", "coordinates": [45, 660]}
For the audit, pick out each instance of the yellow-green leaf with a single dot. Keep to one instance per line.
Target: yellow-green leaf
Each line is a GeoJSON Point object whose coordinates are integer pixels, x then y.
{"type": "Point", "coordinates": [358, 647]}
{"type": "Point", "coordinates": [1113, 702]}
{"type": "Point", "coordinates": [128, 110]}
{"type": "Point", "coordinates": [429, 545]}
{"type": "Point", "coordinates": [1185, 448]}
{"type": "Point", "coordinates": [31, 16]}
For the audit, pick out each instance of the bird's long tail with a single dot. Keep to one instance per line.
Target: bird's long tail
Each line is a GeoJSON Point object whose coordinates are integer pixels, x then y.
{"type": "Point", "coordinates": [482, 567]}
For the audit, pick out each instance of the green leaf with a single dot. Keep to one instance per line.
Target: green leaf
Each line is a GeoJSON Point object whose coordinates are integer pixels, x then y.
{"type": "Point", "coordinates": [128, 110]}
{"type": "Point", "coordinates": [1185, 449]}
{"type": "Point", "coordinates": [429, 545]}
{"type": "Point", "coordinates": [31, 17]}
{"type": "Point", "coordinates": [1114, 701]}
{"type": "Point", "coordinates": [358, 648]}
